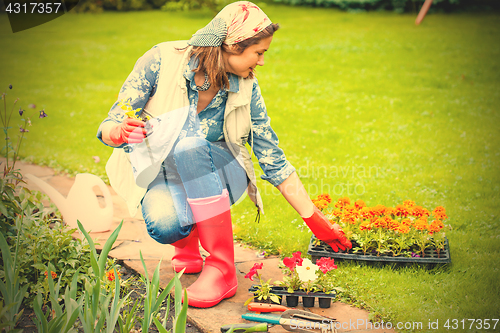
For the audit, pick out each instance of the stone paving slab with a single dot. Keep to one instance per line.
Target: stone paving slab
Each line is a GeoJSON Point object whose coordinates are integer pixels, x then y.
{"type": "Point", "coordinates": [134, 238]}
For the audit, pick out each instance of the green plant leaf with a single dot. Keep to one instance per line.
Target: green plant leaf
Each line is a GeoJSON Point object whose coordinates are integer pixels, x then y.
{"type": "Point", "coordinates": [3, 210]}
{"type": "Point", "coordinates": [180, 323]}
{"type": "Point", "coordinates": [248, 301]}
{"type": "Point", "coordinates": [178, 292]}
{"type": "Point", "coordinates": [41, 319]}
{"type": "Point", "coordinates": [274, 298]}
{"type": "Point", "coordinates": [107, 247]}
{"type": "Point", "coordinates": [159, 326]}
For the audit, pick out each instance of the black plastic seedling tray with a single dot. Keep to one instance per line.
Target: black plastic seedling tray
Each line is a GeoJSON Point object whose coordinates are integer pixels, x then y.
{"type": "Point", "coordinates": [308, 299]}
{"type": "Point", "coordinates": [431, 256]}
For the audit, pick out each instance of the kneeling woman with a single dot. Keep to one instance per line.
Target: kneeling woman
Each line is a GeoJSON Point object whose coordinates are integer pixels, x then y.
{"type": "Point", "coordinates": [207, 167]}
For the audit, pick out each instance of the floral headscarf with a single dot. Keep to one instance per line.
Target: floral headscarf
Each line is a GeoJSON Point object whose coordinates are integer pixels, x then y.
{"type": "Point", "coordinates": [235, 23]}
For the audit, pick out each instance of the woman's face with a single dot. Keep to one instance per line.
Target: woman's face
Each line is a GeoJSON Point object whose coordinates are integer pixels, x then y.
{"type": "Point", "coordinates": [243, 64]}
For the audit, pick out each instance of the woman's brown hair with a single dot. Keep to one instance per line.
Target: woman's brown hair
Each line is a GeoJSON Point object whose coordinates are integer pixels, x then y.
{"type": "Point", "coordinates": [212, 63]}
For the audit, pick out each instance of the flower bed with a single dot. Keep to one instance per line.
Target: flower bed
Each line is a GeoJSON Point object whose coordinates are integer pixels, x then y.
{"type": "Point", "coordinates": [380, 233]}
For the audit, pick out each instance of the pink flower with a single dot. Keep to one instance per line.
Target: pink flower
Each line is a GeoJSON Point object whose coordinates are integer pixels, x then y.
{"type": "Point", "coordinates": [326, 264]}
{"type": "Point", "coordinates": [253, 271]}
{"type": "Point", "coordinates": [294, 261]}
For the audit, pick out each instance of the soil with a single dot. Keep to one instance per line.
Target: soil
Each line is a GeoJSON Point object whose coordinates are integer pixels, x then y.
{"type": "Point", "coordinates": [26, 322]}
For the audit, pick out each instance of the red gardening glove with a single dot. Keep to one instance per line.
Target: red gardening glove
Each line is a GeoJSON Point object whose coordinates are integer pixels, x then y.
{"type": "Point", "coordinates": [129, 131]}
{"type": "Point", "coordinates": [327, 232]}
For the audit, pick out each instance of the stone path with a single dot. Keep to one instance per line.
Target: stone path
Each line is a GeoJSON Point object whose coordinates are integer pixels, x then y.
{"type": "Point", "coordinates": [133, 238]}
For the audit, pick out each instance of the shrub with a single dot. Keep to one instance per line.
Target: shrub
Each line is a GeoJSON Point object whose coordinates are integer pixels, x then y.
{"type": "Point", "coordinates": [48, 242]}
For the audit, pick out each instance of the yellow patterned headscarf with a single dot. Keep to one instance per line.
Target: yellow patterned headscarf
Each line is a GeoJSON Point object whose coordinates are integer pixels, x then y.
{"type": "Point", "coordinates": [234, 23]}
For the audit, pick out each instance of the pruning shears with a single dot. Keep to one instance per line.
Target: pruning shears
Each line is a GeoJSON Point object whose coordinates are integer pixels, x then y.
{"type": "Point", "coordinates": [290, 319]}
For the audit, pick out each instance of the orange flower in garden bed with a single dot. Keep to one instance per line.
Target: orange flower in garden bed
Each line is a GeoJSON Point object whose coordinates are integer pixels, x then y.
{"type": "Point", "coordinates": [110, 275]}
{"type": "Point", "coordinates": [398, 231]}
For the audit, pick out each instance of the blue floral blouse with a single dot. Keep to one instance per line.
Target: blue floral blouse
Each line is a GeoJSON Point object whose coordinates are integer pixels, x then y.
{"type": "Point", "coordinates": [141, 85]}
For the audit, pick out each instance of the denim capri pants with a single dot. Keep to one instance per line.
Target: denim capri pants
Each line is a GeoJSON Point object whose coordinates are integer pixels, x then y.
{"type": "Point", "coordinates": [195, 168]}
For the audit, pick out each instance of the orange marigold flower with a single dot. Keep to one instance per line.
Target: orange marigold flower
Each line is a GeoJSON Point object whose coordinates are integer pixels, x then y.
{"type": "Point", "coordinates": [111, 275]}
{"type": "Point", "coordinates": [365, 226]}
{"type": "Point", "coordinates": [365, 212]}
{"type": "Point", "coordinates": [440, 213]}
{"type": "Point", "coordinates": [359, 204]}
{"type": "Point", "coordinates": [406, 222]}
{"type": "Point", "coordinates": [432, 230]}
{"type": "Point", "coordinates": [337, 213]}
{"type": "Point", "coordinates": [403, 228]}
{"type": "Point", "coordinates": [53, 274]}
{"type": "Point", "coordinates": [388, 211]}
{"type": "Point", "coordinates": [349, 219]}
{"type": "Point", "coordinates": [378, 210]}
{"type": "Point", "coordinates": [419, 211]}
{"type": "Point", "coordinates": [350, 215]}
{"type": "Point", "coordinates": [321, 204]}
{"type": "Point", "coordinates": [380, 223]}
{"type": "Point", "coordinates": [390, 223]}
{"type": "Point", "coordinates": [421, 224]}
{"type": "Point", "coordinates": [409, 203]}
{"type": "Point", "coordinates": [326, 197]}
{"type": "Point", "coordinates": [343, 202]}
{"type": "Point", "coordinates": [402, 211]}
{"type": "Point", "coordinates": [436, 226]}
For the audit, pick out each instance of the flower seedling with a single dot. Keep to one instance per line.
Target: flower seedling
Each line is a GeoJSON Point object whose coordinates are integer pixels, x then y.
{"type": "Point", "coordinates": [397, 231]}
{"type": "Point", "coordinates": [291, 279]}
{"type": "Point", "coordinates": [263, 292]}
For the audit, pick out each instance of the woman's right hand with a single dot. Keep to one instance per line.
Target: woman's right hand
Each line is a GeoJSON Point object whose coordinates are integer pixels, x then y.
{"type": "Point", "coordinates": [129, 131]}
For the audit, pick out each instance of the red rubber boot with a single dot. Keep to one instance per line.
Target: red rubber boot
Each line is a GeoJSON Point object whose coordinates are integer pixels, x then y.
{"type": "Point", "coordinates": [187, 254]}
{"type": "Point", "coordinates": [218, 279]}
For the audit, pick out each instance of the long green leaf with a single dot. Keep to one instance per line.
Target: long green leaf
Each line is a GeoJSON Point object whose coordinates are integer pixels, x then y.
{"type": "Point", "coordinates": [95, 297]}
{"type": "Point", "coordinates": [93, 253]}
{"type": "Point", "coordinates": [7, 259]}
{"type": "Point", "coordinates": [178, 292]}
{"type": "Point", "coordinates": [3, 290]}
{"type": "Point", "coordinates": [181, 318]}
{"type": "Point", "coordinates": [144, 266]}
{"type": "Point", "coordinates": [107, 247]}
{"type": "Point", "coordinates": [41, 321]}
{"type": "Point", "coordinates": [3, 210]}
{"type": "Point", "coordinates": [155, 282]}
{"type": "Point", "coordinates": [72, 306]}
{"type": "Point", "coordinates": [163, 295]}
{"type": "Point", "coordinates": [72, 314]}
{"type": "Point", "coordinates": [127, 323]}
{"type": "Point", "coordinates": [56, 325]}
{"type": "Point", "coordinates": [74, 286]}
{"type": "Point", "coordinates": [159, 326]}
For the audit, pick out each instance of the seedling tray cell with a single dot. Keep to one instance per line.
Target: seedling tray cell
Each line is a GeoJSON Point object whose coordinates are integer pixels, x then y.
{"type": "Point", "coordinates": [431, 255]}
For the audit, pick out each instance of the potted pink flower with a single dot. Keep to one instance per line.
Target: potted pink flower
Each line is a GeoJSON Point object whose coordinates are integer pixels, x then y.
{"type": "Point", "coordinates": [291, 281]}
{"type": "Point", "coordinates": [326, 279]}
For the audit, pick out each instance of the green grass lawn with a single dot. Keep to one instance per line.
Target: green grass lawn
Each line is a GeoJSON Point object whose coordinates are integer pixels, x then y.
{"type": "Point", "coordinates": [365, 105]}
